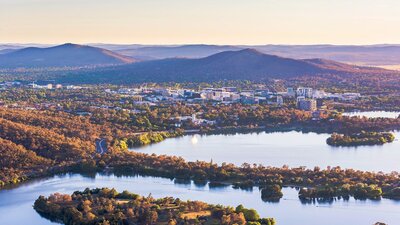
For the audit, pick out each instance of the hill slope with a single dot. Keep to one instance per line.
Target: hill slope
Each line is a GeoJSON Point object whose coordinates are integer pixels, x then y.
{"type": "Point", "coordinates": [247, 64]}
{"type": "Point", "coordinates": [69, 55]}
{"type": "Point", "coordinates": [373, 55]}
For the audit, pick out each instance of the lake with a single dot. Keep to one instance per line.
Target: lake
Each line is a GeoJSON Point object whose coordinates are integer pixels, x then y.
{"type": "Point", "coordinates": [16, 204]}
{"type": "Point", "coordinates": [292, 148]}
{"type": "Point", "coordinates": [374, 114]}
{"type": "Point", "coordinates": [270, 149]}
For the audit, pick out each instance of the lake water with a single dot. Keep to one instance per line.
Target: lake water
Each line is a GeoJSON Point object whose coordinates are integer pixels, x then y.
{"type": "Point", "coordinates": [374, 114]}
{"type": "Point", "coordinates": [16, 204]}
{"type": "Point", "coordinates": [270, 149]}
{"type": "Point", "coordinates": [280, 148]}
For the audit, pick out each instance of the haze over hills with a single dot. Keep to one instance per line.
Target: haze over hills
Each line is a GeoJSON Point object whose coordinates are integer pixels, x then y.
{"type": "Point", "coordinates": [233, 64]}
{"type": "Point", "coordinates": [7, 50]}
{"type": "Point", "coordinates": [247, 64]}
{"type": "Point", "coordinates": [21, 46]}
{"type": "Point", "coordinates": [67, 55]}
{"type": "Point", "coordinates": [185, 51]}
{"type": "Point", "coordinates": [371, 55]}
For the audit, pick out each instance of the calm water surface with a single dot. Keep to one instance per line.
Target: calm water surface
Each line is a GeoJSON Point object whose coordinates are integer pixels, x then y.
{"type": "Point", "coordinates": [374, 114]}
{"type": "Point", "coordinates": [270, 149]}
{"type": "Point", "coordinates": [280, 148]}
{"type": "Point", "coordinates": [16, 204]}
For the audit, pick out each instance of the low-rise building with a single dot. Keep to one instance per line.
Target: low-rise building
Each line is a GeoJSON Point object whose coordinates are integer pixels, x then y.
{"type": "Point", "coordinates": [290, 92]}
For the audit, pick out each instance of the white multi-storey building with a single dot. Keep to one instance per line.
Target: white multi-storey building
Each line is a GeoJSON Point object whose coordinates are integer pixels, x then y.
{"type": "Point", "coordinates": [306, 92]}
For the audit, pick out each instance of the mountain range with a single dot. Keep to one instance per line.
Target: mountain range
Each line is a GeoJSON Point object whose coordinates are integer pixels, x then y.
{"type": "Point", "coordinates": [67, 55]}
{"type": "Point", "coordinates": [98, 65]}
{"type": "Point", "coordinates": [383, 55]}
{"type": "Point", "coordinates": [368, 55]}
{"type": "Point", "coordinates": [246, 64]}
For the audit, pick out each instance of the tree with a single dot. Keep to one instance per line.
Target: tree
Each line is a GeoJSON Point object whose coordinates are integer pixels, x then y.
{"type": "Point", "coordinates": [251, 215]}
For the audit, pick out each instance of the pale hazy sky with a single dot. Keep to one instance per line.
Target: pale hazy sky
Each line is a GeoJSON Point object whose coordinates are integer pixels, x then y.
{"type": "Point", "coordinates": [200, 21]}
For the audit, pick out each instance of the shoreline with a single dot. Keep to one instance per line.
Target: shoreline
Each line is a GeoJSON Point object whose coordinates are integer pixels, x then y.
{"type": "Point", "coordinates": [211, 184]}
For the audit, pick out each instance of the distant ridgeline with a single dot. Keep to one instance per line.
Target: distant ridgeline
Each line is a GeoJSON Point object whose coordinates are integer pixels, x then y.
{"type": "Point", "coordinates": [247, 64]}
{"type": "Point", "coordinates": [107, 206]}
{"type": "Point", "coordinates": [363, 138]}
{"type": "Point", "coordinates": [71, 63]}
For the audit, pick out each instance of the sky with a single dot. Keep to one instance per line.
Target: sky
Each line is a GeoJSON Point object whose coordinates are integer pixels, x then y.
{"type": "Point", "coordinates": [248, 22]}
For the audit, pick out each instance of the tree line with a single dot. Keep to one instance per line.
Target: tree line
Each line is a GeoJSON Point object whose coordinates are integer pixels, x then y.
{"type": "Point", "coordinates": [107, 206]}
